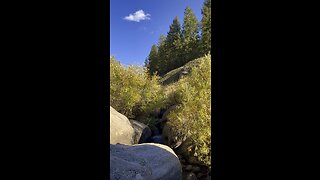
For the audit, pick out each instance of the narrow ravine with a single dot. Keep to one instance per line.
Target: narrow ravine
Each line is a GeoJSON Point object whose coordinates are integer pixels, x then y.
{"type": "Point", "coordinates": [189, 171]}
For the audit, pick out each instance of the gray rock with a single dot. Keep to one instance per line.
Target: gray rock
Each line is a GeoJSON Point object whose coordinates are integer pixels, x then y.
{"type": "Point", "coordinates": [146, 161]}
{"type": "Point", "coordinates": [121, 130]}
{"type": "Point", "coordinates": [142, 132]}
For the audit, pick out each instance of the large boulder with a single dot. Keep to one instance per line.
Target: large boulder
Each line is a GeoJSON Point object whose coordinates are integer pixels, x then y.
{"type": "Point", "coordinates": [142, 132]}
{"type": "Point", "coordinates": [121, 130]}
{"type": "Point", "coordinates": [147, 161]}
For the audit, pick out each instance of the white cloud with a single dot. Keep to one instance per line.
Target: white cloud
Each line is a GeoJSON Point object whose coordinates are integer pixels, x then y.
{"type": "Point", "coordinates": [137, 16]}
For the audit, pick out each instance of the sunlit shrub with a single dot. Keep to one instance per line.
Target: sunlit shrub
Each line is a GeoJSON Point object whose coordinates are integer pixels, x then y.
{"type": "Point", "coordinates": [132, 91]}
{"type": "Point", "coordinates": [192, 117]}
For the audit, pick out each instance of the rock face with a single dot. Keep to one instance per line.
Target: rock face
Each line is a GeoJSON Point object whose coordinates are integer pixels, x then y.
{"type": "Point", "coordinates": [142, 132]}
{"type": "Point", "coordinates": [121, 130]}
{"type": "Point", "coordinates": [147, 161]}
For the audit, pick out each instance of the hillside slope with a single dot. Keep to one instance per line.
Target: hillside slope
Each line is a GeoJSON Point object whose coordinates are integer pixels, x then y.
{"type": "Point", "coordinates": [174, 75]}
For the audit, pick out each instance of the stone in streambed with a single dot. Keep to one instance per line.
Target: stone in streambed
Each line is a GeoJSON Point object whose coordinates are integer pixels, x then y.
{"type": "Point", "coordinates": [121, 130]}
{"type": "Point", "coordinates": [144, 161]}
{"type": "Point", "coordinates": [142, 132]}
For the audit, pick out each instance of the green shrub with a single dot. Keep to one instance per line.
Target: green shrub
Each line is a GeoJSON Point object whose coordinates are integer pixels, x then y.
{"type": "Point", "coordinates": [133, 92]}
{"type": "Point", "coordinates": [192, 118]}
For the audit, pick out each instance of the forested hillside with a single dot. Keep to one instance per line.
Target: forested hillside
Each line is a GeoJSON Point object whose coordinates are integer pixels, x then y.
{"type": "Point", "coordinates": [182, 43]}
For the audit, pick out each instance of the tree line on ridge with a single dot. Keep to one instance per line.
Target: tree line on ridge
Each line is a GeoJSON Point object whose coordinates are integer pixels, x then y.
{"type": "Point", "coordinates": [182, 43]}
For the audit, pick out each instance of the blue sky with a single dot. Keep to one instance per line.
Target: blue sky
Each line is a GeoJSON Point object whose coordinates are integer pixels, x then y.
{"type": "Point", "coordinates": [132, 31]}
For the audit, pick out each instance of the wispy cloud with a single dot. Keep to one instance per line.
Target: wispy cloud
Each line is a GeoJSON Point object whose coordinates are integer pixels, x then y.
{"type": "Point", "coordinates": [138, 16]}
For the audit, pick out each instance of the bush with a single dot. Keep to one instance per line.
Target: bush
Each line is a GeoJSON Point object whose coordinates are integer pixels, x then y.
{"type": "Point", "coordinates": [133, 92]}
{"type": "Point", "coordinates": [192, 118]}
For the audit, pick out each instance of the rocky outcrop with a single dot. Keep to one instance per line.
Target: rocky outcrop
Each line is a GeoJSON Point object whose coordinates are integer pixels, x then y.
{"type": "Point", "coordinates": [147, 161]}
{"type": "Point", "coordinates": [121, 130]}
{"type": "Point", "coordinates": [142, 132]}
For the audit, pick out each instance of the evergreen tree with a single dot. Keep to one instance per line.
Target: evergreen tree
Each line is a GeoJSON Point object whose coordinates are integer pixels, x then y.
{"type": "Point", "coordinates": [153, 60]}
{"type": "Point", "coordinates": [146, 64]}
{"type": "Point", "coordinates": [174, 45]}
{"type": "Point", "coordinates": [190, 35]}
{"type": "Point", "coordinates": [162, 55]}
{"type": "Point", "coordinates": [206, 27]}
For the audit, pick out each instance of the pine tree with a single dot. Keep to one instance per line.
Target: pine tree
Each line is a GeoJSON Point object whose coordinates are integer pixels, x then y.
{"type": "Point", "coordinates": [162, 55]}
{"type": "Point", "coordinates": [153, 60]}
{"type": "Point", "coordinates": [206, 27]}
{"type": "Point", "coordinates": [174, 45]}
{"type": "Point", "coordinates": [190, 34]}
{"type": "Point", "coordinates": [146, 64]}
